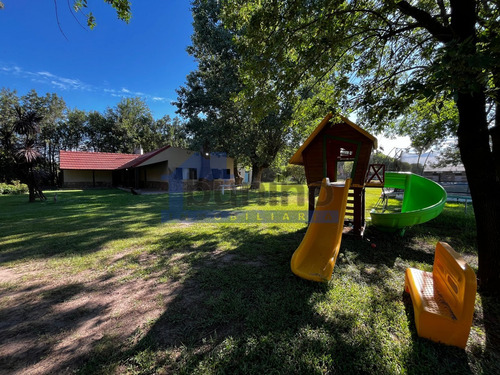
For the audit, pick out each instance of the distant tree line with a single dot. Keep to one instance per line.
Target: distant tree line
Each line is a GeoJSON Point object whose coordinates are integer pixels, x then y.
{"type": "Point", "coordinates": [34, 128]}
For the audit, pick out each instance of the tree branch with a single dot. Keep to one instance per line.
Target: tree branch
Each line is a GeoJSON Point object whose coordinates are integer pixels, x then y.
{"type": "Point", "coordinates": [57, 19]}
{"type": "Point", "coordinates": [428, 22]}
{"type": "Point", "coordinates": [445, 16]}
{"type": "Point", "coordinates": [73, 14]}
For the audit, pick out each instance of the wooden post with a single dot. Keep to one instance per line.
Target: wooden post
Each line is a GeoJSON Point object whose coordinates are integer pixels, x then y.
{"type": "Point", "coordinates": [312, 196]}
{"type": "Point", "coordinates": [359, 210]}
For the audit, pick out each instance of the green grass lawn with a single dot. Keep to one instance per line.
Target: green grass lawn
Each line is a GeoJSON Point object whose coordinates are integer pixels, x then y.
{"type": "Point", "coordinates": [99, 282]}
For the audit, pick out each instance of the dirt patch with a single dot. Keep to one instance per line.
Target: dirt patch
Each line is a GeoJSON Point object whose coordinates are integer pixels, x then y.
{"type": "Point", "coordinates": [223, 258]}
{"type": "Point", "coordinates": [53, 325]}
{"type": "Point", "coordinates": [8, 276]}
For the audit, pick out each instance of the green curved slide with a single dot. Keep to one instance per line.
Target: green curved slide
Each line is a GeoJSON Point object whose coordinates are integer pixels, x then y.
{"type": "Point", "coordinates": [423, 200]}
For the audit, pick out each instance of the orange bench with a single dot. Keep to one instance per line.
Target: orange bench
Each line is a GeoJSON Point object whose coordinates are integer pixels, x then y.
{"type": "Point", "coordinates": [443, 300]}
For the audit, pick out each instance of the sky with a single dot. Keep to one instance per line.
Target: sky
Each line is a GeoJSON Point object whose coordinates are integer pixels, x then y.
{"type": "Point", "coordinates": [94, 69]}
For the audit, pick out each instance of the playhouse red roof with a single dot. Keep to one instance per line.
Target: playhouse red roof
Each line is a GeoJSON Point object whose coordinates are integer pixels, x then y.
{"type": "Point", "coordinates": [103, 160]}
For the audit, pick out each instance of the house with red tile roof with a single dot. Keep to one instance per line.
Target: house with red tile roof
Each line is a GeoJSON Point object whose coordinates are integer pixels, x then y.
{"type": "Point", "coordinates": [160, 169]}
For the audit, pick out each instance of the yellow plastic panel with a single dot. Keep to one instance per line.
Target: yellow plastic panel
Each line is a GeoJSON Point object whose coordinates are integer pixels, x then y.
{"type": "Point", "coordinates": [316, 255]}
{"type": "Point", "coordinates": [443, 301]}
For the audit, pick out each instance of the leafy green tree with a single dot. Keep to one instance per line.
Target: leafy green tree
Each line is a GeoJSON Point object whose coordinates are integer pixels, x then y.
{"type": "Point", "coordinates": [8, 138]}
{"type": "Point", "coordinates": [29, 137]}
{"type": "Point", "coordinates": [133, 124]}
{"type": "Point", "coordinates": [53, 109]}
{"type": "Point", "coordinates": [71, 132]}
{"type": "Point", "coordinates": [170, 132]}
{"type": "Point", "coordinates": [449, 154]}
{"type": "Point", "coordinates": [122, 7]}
{"type": "Point", "coordinates": [428, 123]}
{"type": "Point", "coordinates": [296, 173]}
{"type": "Point", "coordinates": [123, 128]}
{"type": "Point", "coordinates": [384, 56]}
{"type": "Point", "coordinates": [99, 133]}
{"type": "Point", "coordinates": [218, 118]}
{"type": "Point", "coordinates": [206, 98]}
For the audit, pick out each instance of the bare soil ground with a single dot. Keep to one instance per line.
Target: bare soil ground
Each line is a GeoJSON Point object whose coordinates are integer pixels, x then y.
{"type": "Point", "coordinates": [52, 325]}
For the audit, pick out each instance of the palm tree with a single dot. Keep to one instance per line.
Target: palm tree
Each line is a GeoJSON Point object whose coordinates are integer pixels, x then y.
{"type": "Point", "coordinates": [28, 126]}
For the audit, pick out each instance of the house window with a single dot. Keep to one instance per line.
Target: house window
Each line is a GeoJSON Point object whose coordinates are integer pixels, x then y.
{"type": "Point", "coordinates": [226, 173]}
{"type": "Point", "coordinates": [186, 174]}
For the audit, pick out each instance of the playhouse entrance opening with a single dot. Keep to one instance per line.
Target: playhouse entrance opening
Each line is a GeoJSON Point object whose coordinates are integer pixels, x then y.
{"type": "Point", "coordinates": [344, 169]}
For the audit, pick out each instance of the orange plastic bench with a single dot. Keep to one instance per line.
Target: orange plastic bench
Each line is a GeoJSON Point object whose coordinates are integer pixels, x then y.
{"type": "Point", "coordinates": [443, 300]}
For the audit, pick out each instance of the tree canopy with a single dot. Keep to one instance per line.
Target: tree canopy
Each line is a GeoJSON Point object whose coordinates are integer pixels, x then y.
{"type": "Point", "coordinates": [218, 117]}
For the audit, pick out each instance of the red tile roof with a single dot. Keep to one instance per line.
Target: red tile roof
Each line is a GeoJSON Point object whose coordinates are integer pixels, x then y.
{"type": "Point", "coordinates": [142, 158]}
{"type": "Point", "coordinates": [103, 160]}
{"type": "Point", "coordinates": [93, 160]}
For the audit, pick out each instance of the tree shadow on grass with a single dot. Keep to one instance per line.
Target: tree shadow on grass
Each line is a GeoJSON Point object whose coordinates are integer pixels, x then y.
{"type": "Point", "coordinates": [242, 311]}
{"type": "Point", "coordinates": [491, 322]}
{"type": "Point", "coordinates": [237, 308]}
{"type": "Point", "coordinates": [78, 223]}
{"type": "Point", "coordinates": [31, 325]}
{"type": "Point", "coordinates": [249, 314]}
{"type": "Point", "coordinates": [388, 247]}
{"type": "Point", "coordinates": [83, 222]}
{"type": "Point", "coordinates": [384, 267]}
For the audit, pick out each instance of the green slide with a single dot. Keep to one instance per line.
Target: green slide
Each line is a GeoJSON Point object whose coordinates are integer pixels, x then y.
{"type": "Point", "coordinates": [423, 200]}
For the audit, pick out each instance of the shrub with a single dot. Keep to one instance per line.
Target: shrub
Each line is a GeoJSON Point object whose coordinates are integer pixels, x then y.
{"type": "Point", "coordinates": [15, 188]}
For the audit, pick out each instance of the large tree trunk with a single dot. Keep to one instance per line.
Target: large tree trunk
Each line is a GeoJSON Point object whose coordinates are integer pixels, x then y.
{"type": "Point", "coordinates": [495, 130]}
{"type": "Point", "coordinates": [238, 179]}
{"type": "Point", "coordinates": [477, 156]}
{"type": "Point", "coordinates": [495, 141]}
{"type": "Point", "coordinates": [473, 141]}
{"type": "Point", "coordinates": [256, 176]}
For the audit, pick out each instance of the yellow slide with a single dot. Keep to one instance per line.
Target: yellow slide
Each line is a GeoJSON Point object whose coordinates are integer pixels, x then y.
{"type": "Point", "coordinates": [315, 257]}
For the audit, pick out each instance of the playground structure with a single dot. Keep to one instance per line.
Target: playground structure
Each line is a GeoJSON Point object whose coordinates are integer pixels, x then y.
{"type": "Point", "coordinates": [423, 200]}
{"type": "Point", "coordinates": [329, 148]}
{"type": "Point", "coordinates": [335, 142]}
